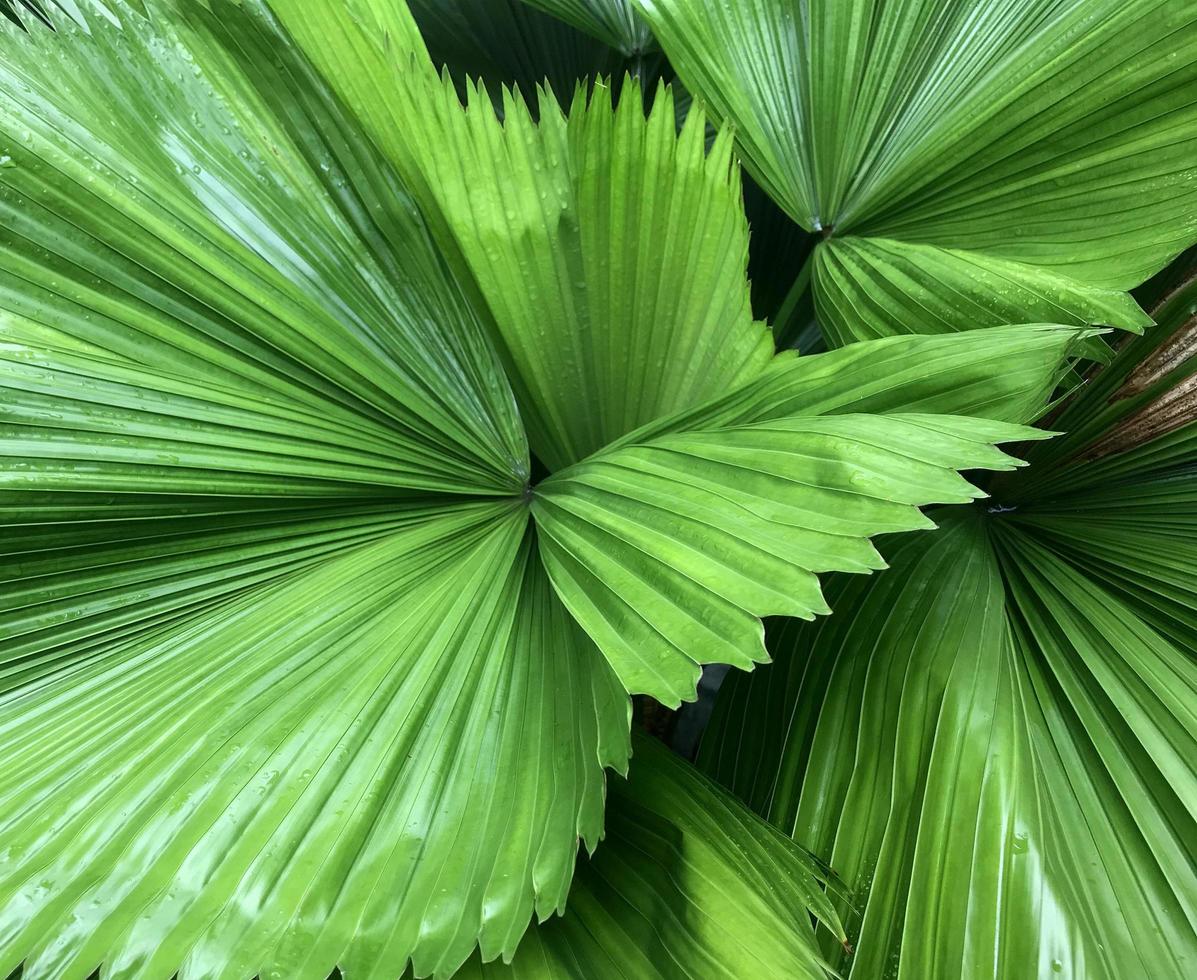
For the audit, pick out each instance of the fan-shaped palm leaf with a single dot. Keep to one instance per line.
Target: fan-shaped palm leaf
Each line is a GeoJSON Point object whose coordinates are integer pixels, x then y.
{"type": "Point", "coordinates": [291, 678]}
{"type": "Point", "coordinates": [687, 882]}
{"type": "Point", "coordinates": [1036, 154]}
{"type": "Point", "coordinates": [614, 22]}
{"type": "Point", "coordinates": [994, 742]}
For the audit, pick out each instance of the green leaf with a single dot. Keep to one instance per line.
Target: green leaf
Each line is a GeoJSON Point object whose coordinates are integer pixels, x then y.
{"type": "Point", "coordinates": [1137, 537]}
{"type": "Point", "coordinates": [1007, 373]}
{"type": "Point", "coordinates": [875, 287]}
{"type": "Point", "coordinates": [615, 22]}
{"type": "Point", "coordinates": [289, 685]}
{"type": "Point", "coordinates": [80, 570]}
{"type": "Point", "coordinates": [274, 784]}
{"type": "Point", "coordinates": [368, 54]}
{"type": "Point", "coordinates": [356, 45]}
{"type": "Point", "coordinates": [743, 61]}
{"type": "Point", "coordinates": [628, 537]}
{"type": "Point", "coordinates": [1002, 772]}
{"type": "Point", "coordinates": [994, 742]}
{"type": "Point", "coordinates": [508, 42]}
{"type": "Point", "coordinates": [77, 422]}
{"type": "Point", "coordinates": [640, 543]}
{"type": "Point", "coordinates": [911, 668]}
{"type": "Point", "coordinates": [193, 232]}
{"type": "Point", "coordinates": [1133, 416]}
{"type": "Point", "coordinates": [628, 309]}
{"type": "Point", "coordinates": [687, 883]}
{"type": "Point", "coordinates": [266, 669]}
{"type": "Point", "coordinates": [1116, 498]}
{"type": "Point", "coordinates": [1057, 136]}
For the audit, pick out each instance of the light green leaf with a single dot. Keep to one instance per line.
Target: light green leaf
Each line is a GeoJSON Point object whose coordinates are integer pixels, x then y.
{"type": "Point", "coordinates": [193, 232]}
{"type": "Point", "coordinates": [628, 308]}
{"type": "Point", "coordinates": [359, 46]}
{"type": "Point", "coordinates": [76, 422]}
{"type": "Point", "coordinates": [642, 548]}
{"type": "Point", "coordinates": [369, 53]}
{"type": "Point", "coordinates": [875, 287]}
{"type": "Point", "coordinates": [291, 687]}
{"type": "Point", "coordinates": [276, 785]}
{"type": "Point", "coordinates": [744, 61]}
{"type": "Point", "coordinates": [627, 533]}
{"type": "Point", "coordinates": [1056, 135]}
{"type": "Point", "coordinates": [1007, 373]}
{"type": "Point", "coordinates": [267, 672]}
{"type": "Point", "coordinates": [910, 667]}
{"type": "Point", "coordinates": [615, 22]}
{"type": "Point", "coordinates": [687, 883]}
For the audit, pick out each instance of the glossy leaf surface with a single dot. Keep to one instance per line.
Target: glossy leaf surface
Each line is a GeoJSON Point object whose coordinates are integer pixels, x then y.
{"type": "Point", "coordinates": [993, 741]}
{"type": "Point", "coordinates": [1059, 136]}
{"type": "Point", "coordinates": [629, 308]}
{"type": "Point", "coordinates": [688, 882]}
{"type": "Point", "coordinates": [291, 675]}
{"type": "Point", "coordinates": [639, 544]}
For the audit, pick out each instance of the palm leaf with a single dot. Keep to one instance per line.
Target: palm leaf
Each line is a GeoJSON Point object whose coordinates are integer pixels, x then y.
{"type": "Point", "coordinates": [219, 406]}
{"type": "Point", "coordinates": [629, 534]}
{"type": "Point", "coordinates": [81, 569]}
{"type": "Point", "coordinates": [614, 22]}
{"type": "Point", "coordinates": [281, 619]}
{"type": "Point", "coordinates": [994, 742]}
{"type": "Point", "coordinates": [509, 43]}
{"type": "Point", "coordinates": [126, 247]}
{"type": "Point", "coordinates": [1047, 144]}
{"type": "Point", "coordinates": [277, 784]}
{"type": "Point", "coordinates": [688, 882]}
{"type": "Point", "coordinates": [633, 540]}
{"type": "Point", "coordinates": [593, 215]}
{"type": "Point", "coordinates": [878, 287]}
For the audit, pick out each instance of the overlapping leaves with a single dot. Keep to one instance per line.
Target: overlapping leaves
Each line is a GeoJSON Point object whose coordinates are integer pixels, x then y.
{"type": "Point", "coordinates": [1036, 153]}
{"type": "Point", "coordinates": [993, 742]}
{"type": "Point", "coordinates": [687, 882]}
{"type": "Point", "coordinates": [300, 669]}
{"type": "Point", "coordinates": [615, 22]}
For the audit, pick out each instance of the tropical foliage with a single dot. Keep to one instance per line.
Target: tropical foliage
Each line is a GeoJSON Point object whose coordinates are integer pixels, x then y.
{"type": "Point", "coordinates": [398, 398]}
{"type": "Point", "coordinates": [994, 747]}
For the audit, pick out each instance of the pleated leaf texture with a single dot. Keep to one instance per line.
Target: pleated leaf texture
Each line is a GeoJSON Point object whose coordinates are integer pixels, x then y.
{"type": "Point", "coordinates": [360, 455]}
{"type": "Point", "coordinates": [995, 742]}
{"type": "Point", "coordinates": [687, 882]}
{"type": "Point", "coordinates": [968, 164]}
{"type": "Point", "coordinates": [615, 22]}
